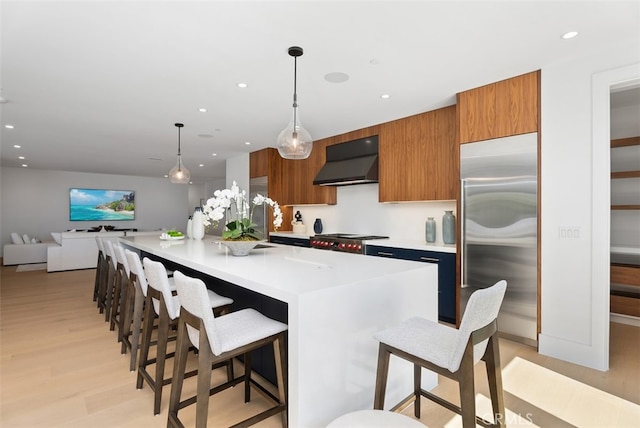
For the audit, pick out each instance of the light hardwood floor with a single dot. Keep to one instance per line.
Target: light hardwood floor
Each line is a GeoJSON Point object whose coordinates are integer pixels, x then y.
{"type": "Point", "coordinates": [60, 366]}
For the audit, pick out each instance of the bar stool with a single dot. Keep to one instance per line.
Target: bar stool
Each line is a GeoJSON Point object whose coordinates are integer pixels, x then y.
{"type": "Point", "coordinates": [167, 306]}
{"type": "Point", "coordinates": [99, 267]}
{"type": "Point", "coordinates": [451, 353]}
{"type": "Point", "coordinates": [218, 339]}
{"type": "Point", "coordinates": [120, 287]}
{"type": "Point", "coordinates": [110, 278]}
{"type": "Point", "coordinates": [104, 273]}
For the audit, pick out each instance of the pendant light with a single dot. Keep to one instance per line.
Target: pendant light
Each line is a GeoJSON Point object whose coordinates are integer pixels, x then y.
{"type": "Point", "coordinates": [179, 174]}
{"type": "Point", "coordinates": [294, 142]}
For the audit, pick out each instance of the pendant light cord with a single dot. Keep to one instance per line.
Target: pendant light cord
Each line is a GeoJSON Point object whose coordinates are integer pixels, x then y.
{"type": "Point", "coordinates": [295, 94]}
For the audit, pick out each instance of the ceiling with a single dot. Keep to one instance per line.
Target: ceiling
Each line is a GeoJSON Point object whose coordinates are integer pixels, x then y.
{"type": "Point", "coordinates": [97, 86]}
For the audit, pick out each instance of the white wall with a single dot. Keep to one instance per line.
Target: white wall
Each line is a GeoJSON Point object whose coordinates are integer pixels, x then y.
{"type": "Point", "coordinates": [36, 202]}
{"type": "Point", "coordinates": [358, 211]}
{"type": "Point", "coordinates": [572, 297]}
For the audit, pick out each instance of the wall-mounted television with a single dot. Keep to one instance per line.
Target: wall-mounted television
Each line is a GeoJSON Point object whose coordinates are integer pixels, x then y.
{"type": "Point", "coordinates": [101, 204]}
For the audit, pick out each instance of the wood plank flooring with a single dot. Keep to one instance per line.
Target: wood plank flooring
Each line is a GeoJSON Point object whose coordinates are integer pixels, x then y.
{"type": "Point", "coordinates": [60, 366]}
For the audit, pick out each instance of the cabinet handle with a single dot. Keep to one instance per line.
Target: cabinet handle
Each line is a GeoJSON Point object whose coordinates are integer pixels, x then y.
{"type": "Point", "coordinates": [384, 253]}
{"type": "Point", "coordinates": [430, 260]}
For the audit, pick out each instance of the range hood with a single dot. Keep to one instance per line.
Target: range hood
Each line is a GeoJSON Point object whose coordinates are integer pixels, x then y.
{"type": "Point", "coordinates": [354, 162]}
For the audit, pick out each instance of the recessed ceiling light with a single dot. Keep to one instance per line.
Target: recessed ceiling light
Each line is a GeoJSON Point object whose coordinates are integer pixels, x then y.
{"type": "Point", "coordinates": [202, 110]}
{"type": "Point", "coordinates": [9, 126]}
{"type": "Point", "coordinates": [385, 96]}
{"type": "Point", "coordinates": [24, 165]}
{"type": "Point", "coordinates": [242, 85]}
{"type": "Point", "coordinates": [214, 154]}
{"type": "Point", "coordinates": [166, 176]}
{"type": "Point", "coordinates": [21, 157]}
{"type": "Point", "coordinates": [336, 77]}
{"type": "Point", "coordinates": [247, 143]}
{"type": "Point", "coordinates": [570, 35]}
{"type": "Point", "coordinates": [16, 146]}
{"type": "Point", "coordinates": [201, 165]}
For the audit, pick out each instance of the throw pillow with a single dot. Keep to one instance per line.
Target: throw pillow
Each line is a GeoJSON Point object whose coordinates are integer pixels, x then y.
{"type": "Point", "coordinates": [16, 239]}
{"type": "Point", "coordinates": [26, 239]}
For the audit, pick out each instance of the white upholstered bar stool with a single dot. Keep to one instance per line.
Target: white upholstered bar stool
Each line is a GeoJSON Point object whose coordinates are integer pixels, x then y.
{"type": "Point", "coordinates": [451, 353]}
{"type": "Point", "coordinates": [112, 264]}
{"type": "Point", "coordinates": [136, 295]}
{"type": "Point", "coordinates": [99, 267]}
{"type": "Point", "coordinates": [221, 338]}
{"type": "Point", "coordinates": [374, 419]}
{"type": "Point", "coordinates": [120, 287]}
{"type": "Point", "coordinates": [167, 307]}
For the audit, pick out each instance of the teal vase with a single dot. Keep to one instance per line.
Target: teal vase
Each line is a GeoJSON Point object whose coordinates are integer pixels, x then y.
{"type": "Point", "coordinates": [449, 228]}
{"type": "Point", "coordinates": [430, 230]}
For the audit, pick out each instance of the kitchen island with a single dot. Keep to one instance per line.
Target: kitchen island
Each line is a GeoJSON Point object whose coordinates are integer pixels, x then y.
{"type": "Point", "coordinates": [334, 303]}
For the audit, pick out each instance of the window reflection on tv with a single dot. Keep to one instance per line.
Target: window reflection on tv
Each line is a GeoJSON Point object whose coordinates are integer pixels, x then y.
{"type": "Point", "coordinates": [101, 204]}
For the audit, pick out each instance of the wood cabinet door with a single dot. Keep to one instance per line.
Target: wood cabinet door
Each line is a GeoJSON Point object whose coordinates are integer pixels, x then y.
{"type": "Point", "coordinates": [501, 109]}
{"type": "Point", "coordinates": [418, 157]}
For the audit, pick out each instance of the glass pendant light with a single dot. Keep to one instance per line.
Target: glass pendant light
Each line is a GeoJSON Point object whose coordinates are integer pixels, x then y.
{"type": "Point", "coordinates": [294, 142]}
{"type": "Point", "coordinates": [179, 174]}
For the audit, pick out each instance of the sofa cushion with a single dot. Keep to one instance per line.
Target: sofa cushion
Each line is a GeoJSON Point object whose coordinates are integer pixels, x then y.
{"type": "Point", "coordinates": [16, 239]}
{"type": "Point", "coordinates": [26, 238]}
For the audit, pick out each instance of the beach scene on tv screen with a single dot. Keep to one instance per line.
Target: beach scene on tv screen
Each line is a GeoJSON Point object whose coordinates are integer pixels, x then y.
{"type": "Point", "coordinates": [100, 204]}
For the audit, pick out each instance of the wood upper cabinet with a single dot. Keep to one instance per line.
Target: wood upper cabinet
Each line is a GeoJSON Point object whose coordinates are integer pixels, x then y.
{"type": "Point", "coordinates": [268, 163]}
{"type": "Point", "coordinates": [418, 158]}
{"type": "Point", "coordinates": [501, 109]}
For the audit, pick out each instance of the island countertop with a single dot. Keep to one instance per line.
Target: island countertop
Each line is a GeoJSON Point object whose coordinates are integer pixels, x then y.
{"type": "Point", "coordinates": [335, 303]}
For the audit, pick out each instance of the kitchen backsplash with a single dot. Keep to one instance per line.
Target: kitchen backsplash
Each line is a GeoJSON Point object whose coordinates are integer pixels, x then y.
{"type": "Point", "coordinates": [358, 211]}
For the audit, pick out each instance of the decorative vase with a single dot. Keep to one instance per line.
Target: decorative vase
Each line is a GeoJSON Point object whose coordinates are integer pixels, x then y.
{"type": "Point", "coordinates": [317, 226]}
{"type": "Point", "coordinates": [448, 227]}
{"type": "Point", "coordinates": [240, 248]}
{"type": "Point", "coordinates": [197, 228]}
{"type": "Point", "coordinates": [430, 233]}
{"type": "Point", "coordinates": [189, 228]}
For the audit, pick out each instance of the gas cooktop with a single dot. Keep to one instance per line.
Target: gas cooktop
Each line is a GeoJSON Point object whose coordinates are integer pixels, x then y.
{"type": "Point", "coordinates": [346, 242]}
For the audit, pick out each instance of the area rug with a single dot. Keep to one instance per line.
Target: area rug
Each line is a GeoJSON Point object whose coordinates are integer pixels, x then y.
{"type": "Point", "coordinates": [32, 266]}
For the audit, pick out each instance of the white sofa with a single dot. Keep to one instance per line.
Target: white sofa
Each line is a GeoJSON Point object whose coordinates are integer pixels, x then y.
{"type": "Point", "coordinates": [75, 250]}
{"type": "Point", "coordinates": [22, 254]}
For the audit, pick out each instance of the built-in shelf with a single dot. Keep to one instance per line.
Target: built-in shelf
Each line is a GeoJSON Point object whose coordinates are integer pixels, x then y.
{"type": "Point", "coordinates": [625, 174]}
{"type": "Point", "coordinates": [625, 207]}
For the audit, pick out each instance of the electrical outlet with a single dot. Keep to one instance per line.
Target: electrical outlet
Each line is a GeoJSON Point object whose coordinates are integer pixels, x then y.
{"type": "Point", "coordinates": [569, 232]}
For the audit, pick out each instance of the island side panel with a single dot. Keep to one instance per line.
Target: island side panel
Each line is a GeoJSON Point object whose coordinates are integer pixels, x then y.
{"type": "Point", "coordinates": [333, 354]}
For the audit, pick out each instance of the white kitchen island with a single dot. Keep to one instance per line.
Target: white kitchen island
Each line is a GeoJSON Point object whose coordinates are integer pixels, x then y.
{"type": "Point", "coordinates": [334, 303]}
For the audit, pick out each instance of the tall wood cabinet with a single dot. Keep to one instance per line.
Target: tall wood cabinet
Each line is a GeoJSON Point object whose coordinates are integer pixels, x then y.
{"type": "Point", "coordinates": [268, 163]}
{"type": "Point", "coordinates": [501, 109]}
{"type": "Point", "coordinates": [418, 157]}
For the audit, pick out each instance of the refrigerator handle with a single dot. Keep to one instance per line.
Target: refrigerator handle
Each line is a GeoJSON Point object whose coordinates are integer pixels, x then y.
{"type": "Point", "coordinates": [462, 233]}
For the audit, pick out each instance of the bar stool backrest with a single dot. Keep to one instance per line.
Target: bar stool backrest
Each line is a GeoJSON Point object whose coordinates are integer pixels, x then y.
{"type": "Point", "coordinates": [482, 308]}
{"type": "Point", "coordinates": [111, 252]}
{"type": "Point", "coordinates": [193, 297]}
{"type": "Point", "coordinates": [135, 265]}
{"type": "Point", "coordinates": [158, 280]}
{"type": "Point", "coordinates": [100, 245]}
{"type": "Point", "coordinates": [121, 257]}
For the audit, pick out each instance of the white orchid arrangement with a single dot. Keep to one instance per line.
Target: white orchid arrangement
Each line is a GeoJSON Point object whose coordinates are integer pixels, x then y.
{"type": "Point", "coordinates": [232, 206]}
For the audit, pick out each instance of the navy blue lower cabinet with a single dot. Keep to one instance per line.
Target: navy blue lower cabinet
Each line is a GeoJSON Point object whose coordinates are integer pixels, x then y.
{"type": "Point", "coordinates": [446, 274]}
{"type": "Point", "coordinates": [286, 240]}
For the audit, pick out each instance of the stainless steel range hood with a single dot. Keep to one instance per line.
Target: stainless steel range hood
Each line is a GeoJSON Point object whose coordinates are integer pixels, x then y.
{"type": "Point", "coordinates": [354, 162]}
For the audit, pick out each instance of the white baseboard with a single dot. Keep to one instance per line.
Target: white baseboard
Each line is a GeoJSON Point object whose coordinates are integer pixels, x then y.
{"type": "Point", "coordinates": [624, 319]}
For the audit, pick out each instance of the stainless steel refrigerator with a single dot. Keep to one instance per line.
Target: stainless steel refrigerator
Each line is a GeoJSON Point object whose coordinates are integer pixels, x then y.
{"type": "Point", "coordinates": [499, 221]}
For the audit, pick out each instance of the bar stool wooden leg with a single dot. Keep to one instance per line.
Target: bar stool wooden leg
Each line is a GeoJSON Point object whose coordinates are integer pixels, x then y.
{"type": "Point", "coordinates": [279, 353]}
{"type": "Point", "coordinates": [494, 374]}
{"type": "Point", "coordinates": [381, 377]}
